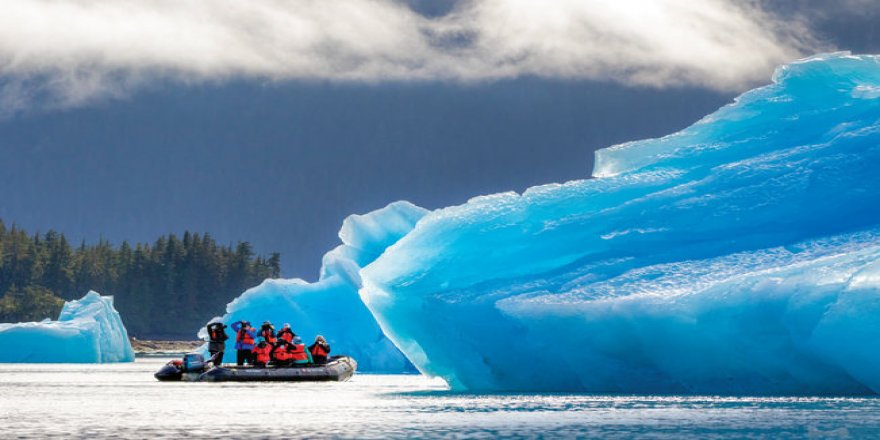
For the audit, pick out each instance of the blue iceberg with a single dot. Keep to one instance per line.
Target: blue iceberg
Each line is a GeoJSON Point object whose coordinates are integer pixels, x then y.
{"type": "Point", "coordinates": [331, 306]}
{"type": "Point", "coordinates": [87, 331]}
{"type": "Point", "coordinates": [740, 256]}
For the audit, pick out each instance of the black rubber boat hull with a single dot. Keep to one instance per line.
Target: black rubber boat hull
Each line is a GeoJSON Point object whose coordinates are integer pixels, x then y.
{"type": "Point", "coordinates": [339, 369]}
{"type": "Point", "coordinates": [169, 373]}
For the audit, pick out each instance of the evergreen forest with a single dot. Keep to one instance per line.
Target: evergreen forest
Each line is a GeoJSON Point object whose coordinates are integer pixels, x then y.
{"type": "Point", "coordinates": [163, 290]}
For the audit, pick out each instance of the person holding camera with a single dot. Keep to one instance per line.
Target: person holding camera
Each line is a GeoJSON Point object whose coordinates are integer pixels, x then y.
{"type": "Point", "coordinates": [217, 341]}
{"type": "Point", "coordinates": [244, 342]}
{"type": "Point", "coordinates": [320, 350]}
{"type": "Point", "coordinates": [267, 332]}
{"type": "Point", "coordinates": [286, 334]}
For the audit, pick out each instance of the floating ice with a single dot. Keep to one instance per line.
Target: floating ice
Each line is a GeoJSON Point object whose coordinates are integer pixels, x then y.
{"type": "Point", "coordinates": [87, 331]}
{"type": "Point", "coordinates": [331, 306]}
{"type": "Point", "coordinates": [740, 255]}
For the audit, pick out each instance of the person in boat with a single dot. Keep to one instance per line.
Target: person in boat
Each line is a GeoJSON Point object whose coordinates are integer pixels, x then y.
{"type": "Point", "coordinates": [262, 354]}
{"type": "Point", "coordinates": [319, 350]}
{"type": "Point", "coordinates": [299, 354]}
{"type": "Point", "coordinates": [244, 342]}
{"type": "Point", "coordinates": [281, 355]}
{"type": "Point", "coordinates": [217, 341]}
{"type": "Point", "coordinates": [267, 331]}
{"type": "Point", "coordinates": [286, 333]}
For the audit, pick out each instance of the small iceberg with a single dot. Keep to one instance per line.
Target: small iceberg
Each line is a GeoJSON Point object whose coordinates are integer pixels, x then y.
{"type": "Point", "coordinates": [87, 331]}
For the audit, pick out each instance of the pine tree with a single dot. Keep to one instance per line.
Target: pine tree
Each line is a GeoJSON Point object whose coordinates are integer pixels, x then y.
{"type": "Point", "coordinates": [164, 289]}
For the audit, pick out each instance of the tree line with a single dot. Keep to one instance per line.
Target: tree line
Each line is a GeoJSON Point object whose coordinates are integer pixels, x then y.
{"type": "Point", "coordinates": [167, 289]}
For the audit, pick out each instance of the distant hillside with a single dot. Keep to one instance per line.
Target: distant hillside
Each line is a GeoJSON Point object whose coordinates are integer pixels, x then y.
{"type": "Point", "coordinates": [166, 289]}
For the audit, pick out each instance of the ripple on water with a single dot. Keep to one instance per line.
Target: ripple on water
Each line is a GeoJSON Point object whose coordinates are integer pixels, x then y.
{"type": "Point", "coordinates": [124, 401]}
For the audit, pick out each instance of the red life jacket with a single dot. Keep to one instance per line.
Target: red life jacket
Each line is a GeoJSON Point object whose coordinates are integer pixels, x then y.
{"type": "Point", "coordinates": [281, 354]}
{"type": "Point", "coordinates": [298, 352]}
{"type": "Point", "coordinates": [318, 350]}
{"type": "Point", "coordinates": [215, 335]}
{"type": "Point", "coordinates": [287, 335]}
{"type": "Point", "coordinates": [263, 353]}
{"type": "Point", "coordinates": [269, 336]}
{"type": "Point", "coordinates": [244, 337]}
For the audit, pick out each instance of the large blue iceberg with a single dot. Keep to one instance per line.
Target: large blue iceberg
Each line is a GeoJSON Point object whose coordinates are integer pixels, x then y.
{"type": "Point", "coordinates": [87, 331]}
{"type": "Point", "coordinates": [740, 255]}
{"type": "Point", "coordinates": [331, 306]}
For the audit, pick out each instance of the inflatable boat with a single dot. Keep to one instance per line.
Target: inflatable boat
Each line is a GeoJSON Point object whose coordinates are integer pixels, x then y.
{"type": "Point", "coordinates": [193, 369]}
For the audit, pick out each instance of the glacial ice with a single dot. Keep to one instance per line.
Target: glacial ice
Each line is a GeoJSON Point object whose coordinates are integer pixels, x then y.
{"type": "Point", "coordinates": [88, 330]}
{"type": "Point", "coordinates": [331, 306]}
{"type": "Point", "coordinates": [740, 255]}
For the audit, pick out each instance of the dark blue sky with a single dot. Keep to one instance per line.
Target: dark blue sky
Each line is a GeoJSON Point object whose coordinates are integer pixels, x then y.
{"type": "Point", "coordinates": [282, 164]}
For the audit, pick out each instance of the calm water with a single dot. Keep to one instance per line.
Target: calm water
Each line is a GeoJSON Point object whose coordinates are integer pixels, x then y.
{"type": "Point", "coordinates": [97, 401]}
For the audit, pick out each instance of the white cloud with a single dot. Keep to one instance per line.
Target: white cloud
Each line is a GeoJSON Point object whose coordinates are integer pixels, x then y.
{"type": "Point", "coordinates": [77, 50]}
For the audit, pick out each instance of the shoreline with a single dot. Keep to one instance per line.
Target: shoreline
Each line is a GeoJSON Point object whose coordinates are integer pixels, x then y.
{"type": "Point", "coordinates": [160, 348]}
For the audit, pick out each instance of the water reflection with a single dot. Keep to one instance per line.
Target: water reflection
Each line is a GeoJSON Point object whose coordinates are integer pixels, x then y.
{"type": "Point", "coordinates": [124, 401]}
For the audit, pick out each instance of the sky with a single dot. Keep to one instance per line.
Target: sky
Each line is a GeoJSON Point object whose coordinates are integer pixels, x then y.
{"type": "Point", "coordinates": [272, 121]}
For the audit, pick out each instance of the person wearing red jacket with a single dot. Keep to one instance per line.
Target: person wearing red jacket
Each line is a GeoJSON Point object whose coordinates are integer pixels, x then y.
{"type": "Point", "coordinates": [262, 354]}
{"type": "Point", "coordinates": [217, 341]}
{"type": "Point", "coordinates": [299, 353]}
{"type": "Point", "coordinates": [286, 333]}
{"type": "Point", "coordinates": [268, 332]}
{"type": "Point", "coordinates": [244, 341]}
{"type": "Point", "coordinates": [281, 355]}
{"type": "Point", "coordinates": [320, 350]}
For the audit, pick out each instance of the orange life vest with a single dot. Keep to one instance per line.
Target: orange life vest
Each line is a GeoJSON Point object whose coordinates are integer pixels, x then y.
{"type": "Point", "coordinates": [269, 336]}
{"type": "Point", "coordinates": [286, 335]}
{"type": "Point", "coordinates": [281, 354]}
{"type": "Point", "coordinates": [298, 352]}
{"type": "Point", "coordinates": [215, 335]}
{"type": "Point", "coordinates": [244, 337]}
{"type": "Point", "coordinates": [263, 353]}
{"type": "Point", "coordinates": [318, 350]}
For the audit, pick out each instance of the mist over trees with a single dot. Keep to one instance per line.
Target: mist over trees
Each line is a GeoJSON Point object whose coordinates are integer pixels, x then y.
{"type": "Point", "coordinates": [167, 289]}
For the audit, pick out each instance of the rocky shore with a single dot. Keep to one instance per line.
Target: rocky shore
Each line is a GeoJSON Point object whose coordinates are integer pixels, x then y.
{"type": "Point", "coordinates": [159, 348]}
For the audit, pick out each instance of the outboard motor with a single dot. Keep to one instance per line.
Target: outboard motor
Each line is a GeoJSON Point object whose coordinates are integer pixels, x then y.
{"type": "Point", "coordinates": [193, 363]}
